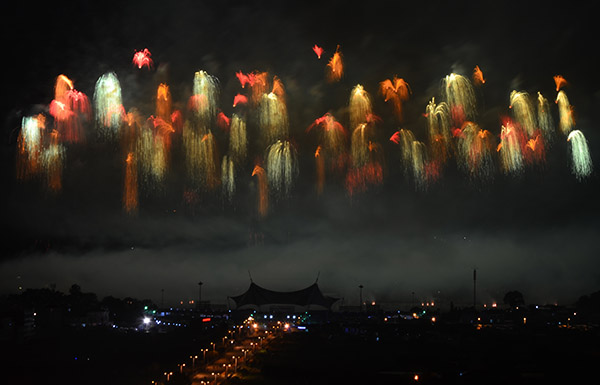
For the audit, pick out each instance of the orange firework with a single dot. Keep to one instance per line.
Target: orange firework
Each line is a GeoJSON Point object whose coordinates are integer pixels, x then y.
{"type": "Point", "coordinates": [335, 67]}
{"type": "Point", "coordinates": [53, 160]}
{"type": "Point", "coordinates": [396, 90]}
{"type": "Point", "coordinates": [318, 50]}
{"type": "Point", "coordinates": [163, 102]}
{"type": "Point", "coordinates": [534, 151]}
{"type": "Point", "coordinates": [130, 187]}
{"type": "Point", "coordinates": [68, 108]}
{"type": "Point", "coordinates": [278, 88]}
{"type": "Point", "coordinates": [263, 190]}
{"type": "Point", "coordinates": [259, 85]}
{"type": "Point", "coordinates": [560, 82]}
{"type": "Point", "coordinates": [320, 170]}
{"type": "Point", "coordinates": [478, 79]}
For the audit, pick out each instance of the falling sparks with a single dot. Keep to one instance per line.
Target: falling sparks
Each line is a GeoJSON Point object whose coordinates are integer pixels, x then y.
{"type": "Point", "coordinates": [204, 99]}
{"type": "Point", "coordinates": [360, 106]}
{"type": "Point", "coordinates": [163, 102]}
{"type": "Point", "coordinates": [228, 178]}
{"type": "Point", "coordinates": [523, 111]}
{"type": "Point", "coordinates": [201, 157]}
{"type": "Point", "coordinates": [282, 167]}
{"type": "Point", "coordinates": [332, 137]}
{"type": "Point", "coordinates": [130, 185]}
{"type": "Point", "coordinates": [335, 67]}
{"type": "Point", "coordinates": [475, 150]}
{"type": "Point", "coordinates": [510, 148]}
{"type": "Point", "coordinates": [273, 118]}
{"type": "Point", "coordinates": [359, 145]}
{"type": "Point", "coordinates": [143, 59]}
{"type": "Point", "coordinates": [53, 158]}
{"type": "Point", "coordinates": [70, 110]}
{"type": "Point", "coordinates": [238, 142]}
{"type": "Point", "coordinates": [108, 105]}
{"type": "Point", "coordinates": [581, 161]}
{"type": "Point", "coordinates": [404, 138]}
{"type": "Point", "coordinates": [460, 96]}
{"type": "Point", "coordinates": [263, 191]}
{"type": "Point", "coordinates": [29, 146]}
{"type": "Point", "coordinates": [320, 170]}
{"type": "Point", "coordinates": [565, 113]}
{"type": "Point", "coordinates": [544, 118]}
{"type": "Point", "coordinates": [152, 150]}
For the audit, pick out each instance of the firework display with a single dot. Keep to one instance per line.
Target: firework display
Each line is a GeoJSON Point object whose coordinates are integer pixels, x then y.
{"type": "Point", "coordinates": [221, 151]}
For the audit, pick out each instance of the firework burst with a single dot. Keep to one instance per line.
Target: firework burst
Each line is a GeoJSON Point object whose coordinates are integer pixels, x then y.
{"type": "Point", "coordinates": [395, 91]}
{"type": "Point", "coordinates": [361, 110]}
{"type": "Point", "coordinates": [238, 142]}
{"type": "Point", "coordinates": [544, 118]}
{"type": "Point", "coordinates": [263, 190]}
{"type": "Point", "coordinates": [460, 96]}
{"type": "Point", "coordinates": [475, 149]}
{"type": "Point", "coordinates": [108, 105]}
{"type": "Point", "coordinates": [228, 178]}
{"type": "Point", "coordinates": [581, 161]}
{"type": "Point", "coordinates": [130, 185]}
{"type": "Point", "coordinates": [565, 113]}
{"type": "Point", "coordinates": [523, 112]}
{"type": "Point", "coordinates": [511, 142]}
{"type": "Point", "coordinates": [273, 118]}
{"type": "Point", "coordinates": [335, 67]}
{"type": "Point", "coordinates": [204, 99]}
{"type": "Point", "coordinates": [282, 167]}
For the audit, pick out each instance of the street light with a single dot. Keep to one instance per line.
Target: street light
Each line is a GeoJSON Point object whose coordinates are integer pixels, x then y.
{"type": "Point", "coordinates": [181, 368]}
{"type": "Point", "coordinates": [168, 374]}
{"type": "Point", "coordinates": [193, 361]}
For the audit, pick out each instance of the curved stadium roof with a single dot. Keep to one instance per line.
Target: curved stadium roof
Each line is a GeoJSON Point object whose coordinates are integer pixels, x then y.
{"type": "Point", "coordinates": [259, 296]}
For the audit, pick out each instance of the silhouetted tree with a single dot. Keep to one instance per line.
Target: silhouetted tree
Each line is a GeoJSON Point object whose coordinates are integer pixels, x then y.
{"type": "Point", "coordinates": [514, 299]}
{"type": "Point", "coordinates": [588, 306]}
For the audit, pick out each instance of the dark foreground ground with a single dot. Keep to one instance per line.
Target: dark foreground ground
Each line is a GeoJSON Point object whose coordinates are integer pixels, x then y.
{"type": "Point", "coordinates": [333, 354]}
{"type": "Point", "coordinates": [438, 355]}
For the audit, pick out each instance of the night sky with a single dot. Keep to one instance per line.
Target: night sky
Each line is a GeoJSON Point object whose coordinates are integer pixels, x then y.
{"type": "Point", "coordinates": [536, 232]}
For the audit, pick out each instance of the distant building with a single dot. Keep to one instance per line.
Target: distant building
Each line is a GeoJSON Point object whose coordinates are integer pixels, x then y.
{"type": "Point", "coordinates": [263, 300]}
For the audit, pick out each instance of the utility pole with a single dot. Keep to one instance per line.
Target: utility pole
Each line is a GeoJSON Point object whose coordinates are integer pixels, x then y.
{"type": "Point", "coordinates": [360, 298]}
{"type": "Point", "coordinates": [474, 289]}
{"type": "Point", "coordinates": [200, 294]}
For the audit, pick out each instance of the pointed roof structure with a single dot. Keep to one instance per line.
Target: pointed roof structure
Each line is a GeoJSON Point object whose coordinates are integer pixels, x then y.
{"type": "Point", "coordinates": [259, 297]}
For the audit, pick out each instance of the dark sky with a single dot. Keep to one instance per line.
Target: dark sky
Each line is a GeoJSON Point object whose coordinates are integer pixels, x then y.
{"type": "Point", "coordinates": [536, 233]}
